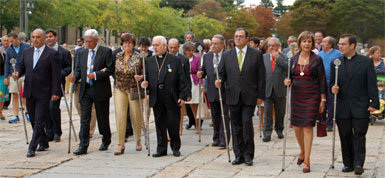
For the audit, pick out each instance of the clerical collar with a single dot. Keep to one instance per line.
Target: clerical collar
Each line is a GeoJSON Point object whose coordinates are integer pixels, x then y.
{"type": "Point", "coordinates": [349, 58]}
{"type": "Point", "coordinates": [162, 56]}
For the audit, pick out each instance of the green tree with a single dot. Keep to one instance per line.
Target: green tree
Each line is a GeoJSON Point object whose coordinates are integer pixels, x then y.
{"type": "Point", "coordinates": [311, 15]}
{"type": "Point", "coordinates": [280, 8]}
{"type": "Point", "coordinates": [240, 18]}
{"type": "Point", "coordinates": [267, 3]}
{"type": "Point", "coordinates": [210, 8]}
{"type": "Point", "coordinates": [186, 5]}
{"type": "Point", "coordinates": [364, 18]}
{"type": "Point", "coordinates": [9, 15]}
{"type": "Point", "coordinates": [204, 27]}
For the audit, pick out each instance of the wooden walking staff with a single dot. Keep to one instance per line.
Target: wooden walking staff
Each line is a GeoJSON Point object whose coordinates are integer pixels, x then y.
{"type": "Point", "coordinates": [222, 111]}
{"type": "Point", "coordinates": [337, 63]}
{"type": "Point", "coordinates": [146, 108]}
{"type": "Point", "coordinates": [200, 98]}
{"type": "Point", "coordinates": [140, 101]}
{"type": "Point", "coordinates": [70, 111]}
{"type": "Point", "coordinates": [287, 110]}
{"type": "Point", "coordinates": [13, 62]}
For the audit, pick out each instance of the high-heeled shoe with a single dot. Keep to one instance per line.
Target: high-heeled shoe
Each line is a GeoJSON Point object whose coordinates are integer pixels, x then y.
{"type": "Point", "coordinates": [120, 150]}
{"type": "Point", "coordinates": [300, 161]}
{"type": "Point", "coordinates": [306, 170]}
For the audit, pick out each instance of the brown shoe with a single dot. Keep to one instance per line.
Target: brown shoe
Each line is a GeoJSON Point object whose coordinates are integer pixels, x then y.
{"type": "Point", "coordinates": [120, 150]}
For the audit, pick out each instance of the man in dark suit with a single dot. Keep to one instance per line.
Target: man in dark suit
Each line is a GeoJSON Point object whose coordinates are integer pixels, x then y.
{"type": "Point", "coordinates": [243, 71]}
{"type": "Point", "coordinates": [276, 67]}
{"type": "Point", "coordinates": [210, 62]}
{"type": "Point", "coordinates": [167, 85]}
{"type": "Point", "coordinates": [357, 96]}
{"type": "Point", "coordinates": [41, 68]}
{"type": "Point", "coordinates": [53, 127]}
{"type": "Point", "coordinates": [95, 88]}
{"type": "Point", "coordinates": [173, 48]}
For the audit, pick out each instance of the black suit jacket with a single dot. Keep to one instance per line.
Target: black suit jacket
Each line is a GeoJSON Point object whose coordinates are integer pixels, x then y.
{"type": "Point", "coordinates": [357, 91]}
{"type": "Point", "coordinates": [43, 81]}
{"type": "Point", "coordinates": [208, 70]}
{"type": "Point", "coordinates": [174, 80]}
{"type": "Point", "coordinates": [102, 85]}
{"type": "Point", "coordinates": [65, 63]}
{"type": "Point", "coordinates": [186, 68]}
{"type": "Point", "coordinates": [248, 83]}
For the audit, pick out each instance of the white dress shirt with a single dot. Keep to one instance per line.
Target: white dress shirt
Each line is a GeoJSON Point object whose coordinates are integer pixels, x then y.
{"type": "Point", "coordinates": [244, 50]}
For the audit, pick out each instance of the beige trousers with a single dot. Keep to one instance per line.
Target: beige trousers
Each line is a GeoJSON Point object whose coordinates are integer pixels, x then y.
{"type": "Point", "coordinates": [122, 101]}
{"type": "Point", "coordinates": [93, 112]}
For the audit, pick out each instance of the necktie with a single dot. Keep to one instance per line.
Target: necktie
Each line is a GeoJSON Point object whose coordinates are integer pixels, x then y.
{"type": "Point", "coordinates": [272, 64]}
{"type": "Point", "coordinates": [92, 64]}
{"type": "Point", "coordinates": [35, 57]}
{"type": "Point", "coordinates": [216, 62]}
{"type": "Point", "coordinates": [240, 57]}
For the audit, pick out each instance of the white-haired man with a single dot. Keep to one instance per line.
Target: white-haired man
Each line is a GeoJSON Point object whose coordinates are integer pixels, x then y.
{"type": "Point", "coordinates": [94, 68]}
{"type": "Point", "coordinates": [168, 91]}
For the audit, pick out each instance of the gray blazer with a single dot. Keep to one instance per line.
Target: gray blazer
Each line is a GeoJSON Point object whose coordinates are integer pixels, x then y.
{"type": "Point", "coordinates": [275, 79]}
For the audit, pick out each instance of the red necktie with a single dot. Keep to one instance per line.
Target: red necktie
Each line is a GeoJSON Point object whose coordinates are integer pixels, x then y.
{"type": "Point", "coordinates": [272, 63]}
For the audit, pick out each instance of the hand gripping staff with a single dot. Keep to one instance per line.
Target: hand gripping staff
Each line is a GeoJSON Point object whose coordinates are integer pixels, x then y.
{"type": "Point", "coordinates": [13, 62]}
{"type": "Point", "coordinates": [337, 63]}
{"type": "Point", "coordinates": [146, 108]}
{"type": "Point", "coordinates": [287, 110]}
{"type": "Point", "coordinates": [200, 98]}
{"type": "Point", "coordinates": [222, 111]}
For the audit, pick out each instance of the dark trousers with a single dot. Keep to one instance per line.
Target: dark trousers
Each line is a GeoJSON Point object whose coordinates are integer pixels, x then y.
{"type": "Point", "coordinates": [102, 109]}
{"type": "Point", "coordinates": [167, 118]}
{"type": "Point", "coordinates": [53, 126]}
{"type": "Point", "coordinates": [329, 108]}
{"type": "Point", "coordinates": [39, 114]}
{"type": "Point", "coordinates": [279, 103]}
{"type": "Point", "coordinates": [190, 114]}
{"type": "Point", "coordinates": [352, 133]}
{"type": "Point", "coordinates": [216, 115]}
{"type": "Point", "coordinates": [6, 103]}
{"type": "Point", "coordinates": [129, 130]}
{"type": "Point", "coordinates": [242, 128]}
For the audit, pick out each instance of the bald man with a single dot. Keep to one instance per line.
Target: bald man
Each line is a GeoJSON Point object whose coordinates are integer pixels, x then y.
{"type": "Point", "coordinates": [41, 68]}
{"type": "Point", "coordinates": [168, 91]}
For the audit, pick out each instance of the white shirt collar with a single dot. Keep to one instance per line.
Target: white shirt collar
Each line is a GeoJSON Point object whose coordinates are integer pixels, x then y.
{"type": "Point", "coordinates": [95, 49]}
{"type": "Point", "coordinates": [219, 54]}
{"type": "Point", "coordinates": [244, 49]}
{"type": "Point", "coordinates": [56, 46]}
{"type": "Point", "coordinates": [40, 49]}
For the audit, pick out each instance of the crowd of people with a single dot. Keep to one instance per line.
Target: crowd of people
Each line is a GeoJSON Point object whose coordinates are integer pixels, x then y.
{"type": "Point", "coordinates": [248, 71]}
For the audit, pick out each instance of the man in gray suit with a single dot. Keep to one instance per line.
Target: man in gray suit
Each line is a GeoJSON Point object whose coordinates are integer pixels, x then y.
{"type": "Point", "coordinates": [276, 67]}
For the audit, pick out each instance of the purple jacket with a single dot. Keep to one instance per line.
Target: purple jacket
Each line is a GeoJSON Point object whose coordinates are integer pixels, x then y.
{"type": "Point", "coordinates": [194, 67]}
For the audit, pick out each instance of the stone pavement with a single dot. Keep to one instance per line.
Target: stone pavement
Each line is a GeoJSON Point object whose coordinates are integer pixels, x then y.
{"type": "Point", "coordinates": [198, 159]}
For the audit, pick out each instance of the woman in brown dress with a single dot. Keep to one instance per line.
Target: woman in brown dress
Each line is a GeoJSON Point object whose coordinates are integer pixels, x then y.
{"type": "Point", "coordinates": [308, 89]}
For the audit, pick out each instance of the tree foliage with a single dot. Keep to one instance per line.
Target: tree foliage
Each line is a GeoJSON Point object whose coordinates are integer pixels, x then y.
{"type": "Point", "coordinates": [204, 27]}
{"type": "Point", "coordinates": [284, 30]}
{"type": "Point", "coordinates": [240, 18]}
{"type": "Point", "coordinates": [267, 3]}
{"type": "Point", "coordinates": [211, 8]}
{"type": "Point", "coordinates": [263, 16]}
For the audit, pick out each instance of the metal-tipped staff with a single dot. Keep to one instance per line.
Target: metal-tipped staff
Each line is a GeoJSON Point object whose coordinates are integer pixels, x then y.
{"type": "Point", "coordinates": [222, 111]}
{"type": "Point", "coordinates": [146, 109]}
{"type": "Point", "coordinates": [200, 98]}
{"type": "Point", "coordinates": [287, 110]}
{"type": "Point", "coordinates": [337, 63]}
{"type": "Point", "coordinates": [13, 62]}
{"type": "Point", "coordinates": [68, 109]}
{"type": "Point", "coordinates": [140, 102]}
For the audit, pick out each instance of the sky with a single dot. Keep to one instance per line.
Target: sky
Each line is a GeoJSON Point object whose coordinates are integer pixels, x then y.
{"type": "Point", "coordinates": [256, 2]}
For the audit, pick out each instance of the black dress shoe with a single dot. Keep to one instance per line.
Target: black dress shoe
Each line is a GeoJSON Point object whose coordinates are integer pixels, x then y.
{"type": "Point", "coordinates": [30, 153]}
{"type": "Point", "coordinates": [42, 147]}
{"type": "Point", "coordinates": [329, 129]}
{"type": "Point", "coordinates": [80, 151]}
{"type": "Point", "coordinates": [50, 139]}
{"type": "Point", "coordinates": [56, 138]}
{"type": "Point", "coordinates": [188, 126]}
{"type": "Point", "coordinates": [238, 160]}
{"type": "Point", "coordinates": [358, 170]}
{"type": "Point", "coordinates": [347, 169]}
{"type": "Point", "coordinates": [222, 145]}
{"type": "Point", "coordinates": [103, 147]}
{"type": "Point", "coordinates": [266, 139]}
{"type": "Point", "coordinates": [176, 153]}
{"type": "Point", "coordinates": [280, 135]}
{"type": "Point", "coordinates": [157, 154]}
{"type": "Point", "coordinates": [215, 144]}
{"type": "Point", "coordinates": [248, 161]}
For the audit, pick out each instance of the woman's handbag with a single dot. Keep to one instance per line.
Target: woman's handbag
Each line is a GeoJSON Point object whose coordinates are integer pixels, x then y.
{"type": "Point", "coordinates": [205, 110]}
{"type": "Point", "coordinates": [321, 128]}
